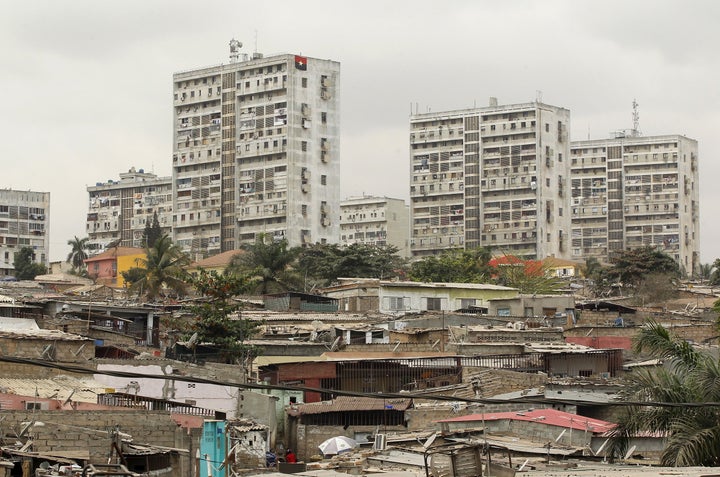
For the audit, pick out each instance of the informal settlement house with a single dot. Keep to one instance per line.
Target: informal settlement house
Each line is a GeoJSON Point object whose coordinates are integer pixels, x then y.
{"type": "Point", "coordinates": [399, 297]}
{"type": "Point", "coordinates": [107, 267]}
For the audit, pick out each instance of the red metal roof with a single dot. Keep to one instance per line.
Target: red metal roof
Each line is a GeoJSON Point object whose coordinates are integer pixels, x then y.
{"type": "Point", "coordinates": [551, 417]}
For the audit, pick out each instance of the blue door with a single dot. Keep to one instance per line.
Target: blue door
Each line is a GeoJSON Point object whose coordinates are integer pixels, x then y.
{"type": "Point", "coordinates": [213, 449]}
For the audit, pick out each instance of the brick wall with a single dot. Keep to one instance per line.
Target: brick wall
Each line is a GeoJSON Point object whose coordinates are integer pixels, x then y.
{"type": "Point", "coordinates": [89, 430]}
{"type": "Point", "coordinates": [62, 350]}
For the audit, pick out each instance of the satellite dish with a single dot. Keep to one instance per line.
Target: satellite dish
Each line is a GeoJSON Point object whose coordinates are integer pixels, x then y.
{"type": "Point", "coordinates": [192, 341]}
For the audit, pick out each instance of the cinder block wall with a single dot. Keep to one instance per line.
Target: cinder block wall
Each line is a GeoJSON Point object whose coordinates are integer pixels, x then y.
{"type": "Point", "coordinates": [63, 350]}
{"type": "Point", "coordinates": [57, 431]}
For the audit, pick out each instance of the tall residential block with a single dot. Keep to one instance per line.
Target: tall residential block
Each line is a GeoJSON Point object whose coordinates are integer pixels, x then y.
{"type": "Point", "coordinates": [118, 211]}
{"type": "Point", "coordinates": [493, 177]}
{"type": "Point", "coordinates": [256, 151]}
{"type": "Point", "coordinates": [375, 221]}
{"type": "Point", "coordinates": [633, 191]}
{"type": "Point", "coordinates": [24, 222]}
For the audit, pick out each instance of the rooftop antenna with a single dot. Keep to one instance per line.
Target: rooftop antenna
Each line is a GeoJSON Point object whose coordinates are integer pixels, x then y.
{"type": "Point", "coordinates": [538, 96]}
{"type": "Point", "coordinates": [235, 46]}
{"type": "Point", "coordinates": [636, 118]}
{"type": "Point", "coordinates": [255, 42]}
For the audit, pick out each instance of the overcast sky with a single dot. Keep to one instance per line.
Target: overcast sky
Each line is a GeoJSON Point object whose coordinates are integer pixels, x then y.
{"type": "Point", "coordinates": [87, 85]}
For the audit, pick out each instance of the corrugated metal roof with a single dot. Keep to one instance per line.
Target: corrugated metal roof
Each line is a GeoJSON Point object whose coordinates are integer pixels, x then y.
{"type": "Point", "coordinates": [352, 403]}
{"type": "Point", "coordinates": [270, 316]}
{"type": "Point", "coordinates": [40, 334]}
{"type": "Point", "coordinates": [60, 388]}
{"type": "Point", "coordinates": [551, 417]}
{"type": "Point", "coordinates": [463, 286]}
{"type": "Point", "coordinates": [366, 356]}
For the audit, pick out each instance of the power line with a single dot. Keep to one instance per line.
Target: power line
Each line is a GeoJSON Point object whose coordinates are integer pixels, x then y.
{"type": "Point", "coordinates": [416, 395]}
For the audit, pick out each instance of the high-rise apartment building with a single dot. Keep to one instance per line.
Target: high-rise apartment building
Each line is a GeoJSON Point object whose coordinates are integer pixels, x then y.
{"type": "Point", "coordinates": [256, 151]}
{"type": "Point", "coordinates": [24, 222]}
{"type": "Point", "coordinates": [118, 211]}
{"type": "Point", "coordinates": [493, 177]}
{"type": "Point", "coordinates": [633, 191]}
{"type": "Point", "coordinates": [375, 221]}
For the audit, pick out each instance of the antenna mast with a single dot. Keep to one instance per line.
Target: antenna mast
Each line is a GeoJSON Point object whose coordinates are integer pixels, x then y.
{"type": "Point", "coordinates": [636, 119]}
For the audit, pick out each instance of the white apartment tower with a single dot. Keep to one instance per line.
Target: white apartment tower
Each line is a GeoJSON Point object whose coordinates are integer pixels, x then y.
{"type": "Point", "coordinates": [256, 151]}
{"type": "Point", "coordinates": [24, 222]}
{"type": "Point", "coordinates": [493, 177]}
{"type": "Point", "coordinates": [119, 210]}
{"type": "Point", "coordinates": [375, 221]}
{"type": "Point", "coordinates": [633, 191]}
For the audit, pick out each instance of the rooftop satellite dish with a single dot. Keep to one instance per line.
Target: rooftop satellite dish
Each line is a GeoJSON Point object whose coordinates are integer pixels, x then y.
{"type": "Point", "coordinates": [192, 341]}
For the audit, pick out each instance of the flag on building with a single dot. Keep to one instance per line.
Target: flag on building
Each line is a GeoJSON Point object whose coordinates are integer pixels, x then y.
{"type": "Point", "coordinates": [301, 63]}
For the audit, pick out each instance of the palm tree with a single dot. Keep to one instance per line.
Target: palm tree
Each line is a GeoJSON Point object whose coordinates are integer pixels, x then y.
{"type": "Point", "coordinates": [78, 253]}
{"type": "Point", "coordinates": [689, 379]}
{"type": "Point", "coordinates": [163, 267]}
{"type": "Point", "coordinates": [705, 271]}
{"type": "Point", "coordinates": [270, 262]}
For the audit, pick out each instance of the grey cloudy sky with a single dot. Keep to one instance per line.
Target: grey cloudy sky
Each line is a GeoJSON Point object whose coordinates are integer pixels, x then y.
{"type": "Point", "coordinates": [87, 85]}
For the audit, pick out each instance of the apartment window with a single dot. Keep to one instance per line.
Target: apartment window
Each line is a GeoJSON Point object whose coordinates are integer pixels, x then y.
{"type": "Point", "coordinates": [323, 180]}
{"type": "Point", "coordinates": [303, 146]}
{"type": "Point", "coordinates": [304, 210]}
{"type": "Point", "coordinates": [304, 82]}
{"type": "Point", "coordinates": [323, 117]}
{"type": "Point", "coordinates": [547, 127]}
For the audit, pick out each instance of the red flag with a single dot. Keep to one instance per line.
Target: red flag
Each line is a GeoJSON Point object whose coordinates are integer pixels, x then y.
{"type": "Point", "coordinates": [301, 63]}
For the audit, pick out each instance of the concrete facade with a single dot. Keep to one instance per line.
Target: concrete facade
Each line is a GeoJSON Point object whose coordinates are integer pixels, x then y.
{"type": "Point", "coordinates": [375, 221]}
{"type": "Point", "coordinates": [24, 222]}
{"type": "Point", "coordinates": [633, 191]}
{"type": "Point", "coordinates": [119, 210]}
{"type": "Point", "coordinates": [256, 151]}
{"type": "Point", "coordinates": [495, 176]}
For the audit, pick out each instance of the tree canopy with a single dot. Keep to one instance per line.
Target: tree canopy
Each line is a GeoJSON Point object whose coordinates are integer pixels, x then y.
{"type": "Point", "coordinates": [631, 266]}
{"type": "Point", "coordinates": [78, 253]}
{"type": "Point", "coordinates": [25, 267]}
{"type": "Point", "coordinates": [454, 266]}
{"type": "Point", "coordinates": [218, 321]}
{"type": "Point", "coordinates": [152, 232]}
{"type": "Point", "coordinates": [270, 264]}
{"type": "Point", "coordinates": [325, 263]}
{"type": "Point", "coordinates": [162, 267]}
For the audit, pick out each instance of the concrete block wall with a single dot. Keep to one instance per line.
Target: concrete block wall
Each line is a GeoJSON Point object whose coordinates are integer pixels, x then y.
{"type": "Point", "coordinates": [58, 431]}
{"type": "Point", "coordinates": [63, 350]}
{"type": "Point", "coordinates": [310, 437]}
{"type": "Point", "coordinates": [500, 381]}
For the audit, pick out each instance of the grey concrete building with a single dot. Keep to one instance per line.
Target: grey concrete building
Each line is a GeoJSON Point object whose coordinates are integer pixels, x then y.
{"type": "Point", "coordinates": [119, 210]}
{"type": "Point", "coordinates": [495, 176]}
{"type": "Point", "coordinates": [633, 191]}
{"type": "Point", "coordinates": [24, 222]}
{"type": "Point", "coordinates": [256, 151]}
{"type": "Point", "coordinates": [375, 221]}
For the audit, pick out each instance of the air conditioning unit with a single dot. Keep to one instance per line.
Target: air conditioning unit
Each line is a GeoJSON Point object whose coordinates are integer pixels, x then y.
{"type": "Point", "coordinates": [380, 442]}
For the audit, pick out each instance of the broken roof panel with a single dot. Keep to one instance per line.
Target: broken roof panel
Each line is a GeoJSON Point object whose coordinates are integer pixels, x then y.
{"type": "Point", "coordinates": [551, 417]}
{"type": "Point", "coordinates": [352, 403]}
